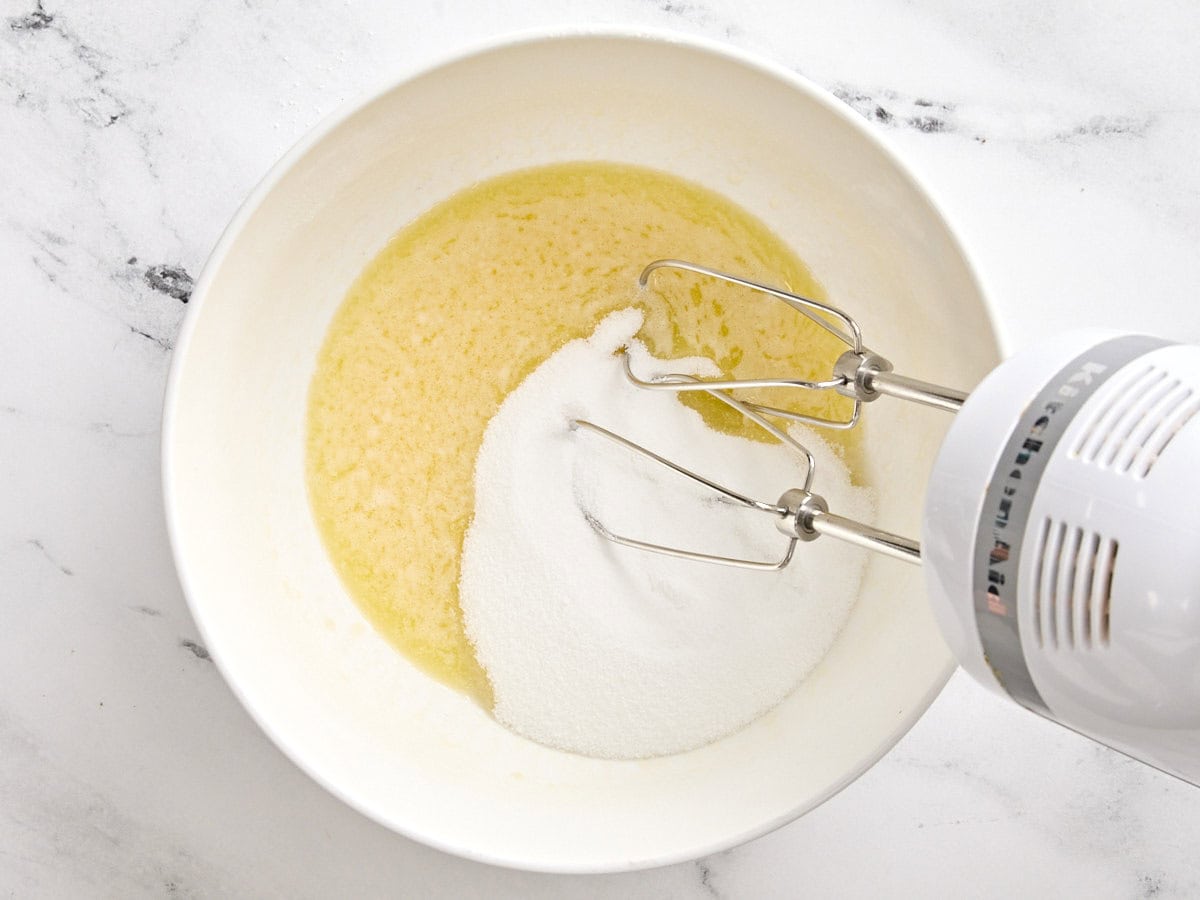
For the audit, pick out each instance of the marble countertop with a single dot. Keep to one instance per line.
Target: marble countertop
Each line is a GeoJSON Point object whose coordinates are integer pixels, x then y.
{"type": "Point", "coordinates": [1060, 137]}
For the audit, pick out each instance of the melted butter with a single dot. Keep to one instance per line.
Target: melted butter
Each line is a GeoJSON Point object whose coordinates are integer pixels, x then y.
{"type": "Point", "coordinates": [466, 301]}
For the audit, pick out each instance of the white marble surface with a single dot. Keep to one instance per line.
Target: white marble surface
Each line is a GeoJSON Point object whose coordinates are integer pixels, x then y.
{"type": "Point", "coordinates": [1059, 136]}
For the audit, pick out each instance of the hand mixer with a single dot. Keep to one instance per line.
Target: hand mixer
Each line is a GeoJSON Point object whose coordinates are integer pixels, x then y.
{"type": "Point", "coordinates": [1061, 526]}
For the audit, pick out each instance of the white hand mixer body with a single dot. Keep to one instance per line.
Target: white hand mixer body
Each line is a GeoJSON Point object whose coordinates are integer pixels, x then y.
{"type": "Point", "coordinates": [1061, 540]}
{"type": "Point", "coordinates": [1061, 528]}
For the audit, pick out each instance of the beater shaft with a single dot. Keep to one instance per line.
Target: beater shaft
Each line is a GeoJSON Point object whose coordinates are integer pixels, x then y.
{"type": "Point", "coordinates": [904, 388]}
{"type": "Point", "coordinates": [866, 536]}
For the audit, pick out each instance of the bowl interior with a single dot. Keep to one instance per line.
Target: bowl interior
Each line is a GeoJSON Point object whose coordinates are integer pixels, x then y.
{"type": "Point", "coordinates": [337, 698]}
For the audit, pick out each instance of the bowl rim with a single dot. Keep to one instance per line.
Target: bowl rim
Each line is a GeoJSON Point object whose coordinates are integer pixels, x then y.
{"type": "Point", "coordinates": [427, 64]}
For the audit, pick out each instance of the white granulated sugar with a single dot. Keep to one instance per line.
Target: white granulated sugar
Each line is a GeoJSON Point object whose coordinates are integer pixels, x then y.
{"type": "Point", "coordinates": [615, 652]}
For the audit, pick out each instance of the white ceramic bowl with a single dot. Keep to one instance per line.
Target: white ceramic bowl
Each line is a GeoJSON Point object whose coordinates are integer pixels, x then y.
{"type": "Point", "coordinates": [328, 690]}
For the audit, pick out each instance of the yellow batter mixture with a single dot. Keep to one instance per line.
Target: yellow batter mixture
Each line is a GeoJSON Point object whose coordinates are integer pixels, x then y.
{"type": "Point", "coordinates": [467, 300]}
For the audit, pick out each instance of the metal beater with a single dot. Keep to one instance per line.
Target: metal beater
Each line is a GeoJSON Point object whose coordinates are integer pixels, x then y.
{"type": "Point", "coordinates": [800, 514]}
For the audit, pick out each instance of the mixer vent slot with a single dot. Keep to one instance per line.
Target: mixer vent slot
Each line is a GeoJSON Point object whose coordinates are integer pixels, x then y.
{"type": "Point", "coordinates": [1132, 428]}
{"type": "Point", "coordinates": [1072, 587]}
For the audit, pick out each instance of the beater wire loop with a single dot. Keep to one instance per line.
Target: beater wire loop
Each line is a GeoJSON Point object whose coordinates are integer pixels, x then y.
{"type": "Point", "coordinates": [819, 312]}
{"type": "Point", "coordinates": [677, 552]}
{"type": "Point", "coordinates": [846, 330]}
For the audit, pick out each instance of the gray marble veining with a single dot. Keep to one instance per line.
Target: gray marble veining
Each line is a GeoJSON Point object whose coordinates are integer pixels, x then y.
{"type": "Point", "coordinates": [1060, 139]}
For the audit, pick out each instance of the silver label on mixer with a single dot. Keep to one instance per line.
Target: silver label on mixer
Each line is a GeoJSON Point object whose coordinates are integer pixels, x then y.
{"type": "Point", "coordinates": [1005, 512]}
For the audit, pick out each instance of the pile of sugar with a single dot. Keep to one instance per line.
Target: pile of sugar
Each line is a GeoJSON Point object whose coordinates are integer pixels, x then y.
{"type": "Point", "coordinates": [615, 652]}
